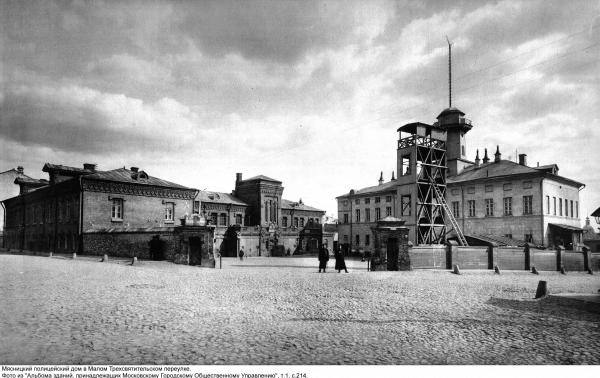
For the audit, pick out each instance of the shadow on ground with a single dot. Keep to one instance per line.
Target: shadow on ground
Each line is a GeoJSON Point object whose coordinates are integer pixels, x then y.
{"type": "Point", "coordinates": [545, 306]}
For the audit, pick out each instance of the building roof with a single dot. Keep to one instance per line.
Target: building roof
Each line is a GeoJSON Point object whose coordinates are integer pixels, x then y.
{"type": "Point", "coordinates": [551, 168]}
{"type": "Point", "coordinates": [126, 176]}
{"type": "Point", "coordinates": [218, 197]}
{"type": "Point", "coordinates": [503, 168]}
{"type": "Point", "coordinates": [287, 204]}
{"type": "Point", "coordinates": [451, 110]}
{"type": "Point", "coordinates": [387, 186]}
{"type": "Point", "coordinates": [596, 213]}
{"type": "Point", "coordinates": [411, 128]}
{"type": "Point", "coordinates": [501, 241]}
{"type": "Point", "coordinates": [261, 177]}
{"type": "Point", "coordinates": [28, 181]}
{"type": "Point", "coordinates": [566, 227]}
{"type": "Point", "coordinates": [65, 169]}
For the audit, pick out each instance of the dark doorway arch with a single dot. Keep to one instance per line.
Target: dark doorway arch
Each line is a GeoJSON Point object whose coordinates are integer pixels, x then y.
{"type": "Point", "coordinates": [195, 250]}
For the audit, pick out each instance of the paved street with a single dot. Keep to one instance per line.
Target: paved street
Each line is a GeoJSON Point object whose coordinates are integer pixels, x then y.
{"type": "Point", "coordinates": [281, 311]}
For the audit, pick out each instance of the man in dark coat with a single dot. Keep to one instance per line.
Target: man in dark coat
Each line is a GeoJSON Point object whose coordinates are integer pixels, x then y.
{"type": "Point", "coordinates": [323, 258]}
{"type": "Point", "coordinates": [340, 263]}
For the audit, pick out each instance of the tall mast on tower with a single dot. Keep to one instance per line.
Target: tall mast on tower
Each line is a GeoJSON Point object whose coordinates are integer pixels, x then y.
{"type": "Point", "coordinates": [449, 72]}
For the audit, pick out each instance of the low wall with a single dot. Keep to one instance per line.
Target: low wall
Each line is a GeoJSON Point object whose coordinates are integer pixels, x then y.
{"type": "Point", "coordinates": [470, 257]}
{"type": "Point", "coordinates": [544, 259]}
{"type": "Point", "coordinates": [574, 261]}
{"type": "Point", "coordinates": [595, 262]}
{"type": "Point", "coordinates": [125, 244]}
{"type": "Point", "coordinates": [510, 258]}
{"type": "Point", "coordinates": [428, 257]}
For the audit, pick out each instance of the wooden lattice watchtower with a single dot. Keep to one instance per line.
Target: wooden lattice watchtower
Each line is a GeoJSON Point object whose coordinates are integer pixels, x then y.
{"type": "Point", "coordinates": [421, 177]}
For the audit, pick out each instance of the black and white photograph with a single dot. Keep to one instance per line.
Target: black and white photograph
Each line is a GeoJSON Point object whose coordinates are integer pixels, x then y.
{"type": "Point", "coordinates": [298, 188]}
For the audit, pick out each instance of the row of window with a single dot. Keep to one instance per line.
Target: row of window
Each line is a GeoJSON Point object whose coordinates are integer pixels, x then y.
{"type": "Point", "coordinates": [367, 214]}
{"type": "Point", "coordinates": [298, 221]}
{"type": "Point", "coordinates": [66, 211]}
{"type": "Point", "coordinates": [571, 209]}
{"type": "Point", "coordinates": [357, 239]}
{"type": "Point", "coordinates": [507, 207]}
{"type": "Point", "coordinates": [221, 219]}
{"type": "Point", "coordinates": [367, 200]}
{"type": "Point", "coordinates": [490, 188]}
{"type": "Point", "coordinates": [117, 211]}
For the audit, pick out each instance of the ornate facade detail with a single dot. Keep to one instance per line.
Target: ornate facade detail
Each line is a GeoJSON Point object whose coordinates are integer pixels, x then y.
{"type": "Point", "coordinates": [137, 190]}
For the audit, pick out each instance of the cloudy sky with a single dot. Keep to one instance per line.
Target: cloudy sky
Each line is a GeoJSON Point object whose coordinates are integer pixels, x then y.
{"type": "Point", "coordinates": [310, 93]}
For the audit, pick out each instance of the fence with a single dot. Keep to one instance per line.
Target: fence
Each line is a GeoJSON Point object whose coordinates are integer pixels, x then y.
{"type": "Point", "coordinates": [507, 258]}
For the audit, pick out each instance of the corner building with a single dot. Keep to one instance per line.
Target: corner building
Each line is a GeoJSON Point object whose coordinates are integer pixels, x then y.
{"type": "Point", "coordinates": [497, 200]}
{"type": "Point", "coordinates": [121, 212]}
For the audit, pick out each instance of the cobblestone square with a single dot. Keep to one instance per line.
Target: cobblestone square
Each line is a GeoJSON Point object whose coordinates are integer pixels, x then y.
{"type": "Point", "coordinates": [281, 311]}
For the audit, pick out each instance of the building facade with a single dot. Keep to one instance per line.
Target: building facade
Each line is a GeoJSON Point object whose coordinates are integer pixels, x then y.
{"type": "Point", "coordinates": [515, 201]}
{"type": "Point", "coordinates": [256, 219]}
{"type": "Point", "coordinates": [121, 212]}
{"type": "Point", "coordinates": [8, 189]}
{"type": "Point", "coordinates": [360, 210]}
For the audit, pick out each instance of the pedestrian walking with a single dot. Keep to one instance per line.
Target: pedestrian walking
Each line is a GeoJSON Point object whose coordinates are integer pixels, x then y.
{"type": "Point", "coordinates": [323, 258]}
{"type": "Point", "coordinates": [340, 263]}
{"type": "Point", "coordinates": [242, 253]}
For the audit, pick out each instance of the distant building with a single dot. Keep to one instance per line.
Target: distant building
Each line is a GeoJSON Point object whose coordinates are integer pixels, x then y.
{"type": "Point", "coordinates": [591, 238]}
{"type": "Point", "coordinates": [8, 189]}
{"type": "Point", "coordinates": [255, 218]}
{"type": "Point", "coordinates": [359, 211]}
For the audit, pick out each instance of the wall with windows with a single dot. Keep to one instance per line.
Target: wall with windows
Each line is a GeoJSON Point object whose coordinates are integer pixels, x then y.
{"type": "Point", "coordinates": [357, 214]}
{"type": "Point", "coordinates": [557, 199]}
{"type": "Point", "coordinates": [299, 218]}
{"type": "Point", "coordinates": [505, 207]}
{"type": "Point", "coordinates": [101, 211]}
{"type": "Point", "coordinates": [44, 220]}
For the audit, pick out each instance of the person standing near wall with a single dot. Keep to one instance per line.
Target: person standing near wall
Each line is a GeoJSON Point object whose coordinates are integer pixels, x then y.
{"type": "Point", "coordinates": [323, 258]}
{"type": "Point", "coordinates": [340, 263]}
{"type": "Point", "coordinates": [241, 253]}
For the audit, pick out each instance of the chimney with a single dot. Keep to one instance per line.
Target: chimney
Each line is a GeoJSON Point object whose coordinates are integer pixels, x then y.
{"type": "Point", "coordinates": [238, 177]}
{"type": "Point", "coordinates": [134, 169]}
{"type": "Point", "coordinates": [523, 159]}
{"type": "Point", "coordinates": [393, 177]}
{"type": "Point", "coordinates": [486, 159]}
{"type": "Point", "coordinates": [381, 178]}
{"type": "Point", "coordinates": [477, 160]}
{"type": "Point", "coordinates": [89, 167]}
{"type": "Point", "coordinates": [497, 155]}
{"type": "Point", "coordinates": [20, 169]}
{"type": "Point", "coordinates": [300, 201]}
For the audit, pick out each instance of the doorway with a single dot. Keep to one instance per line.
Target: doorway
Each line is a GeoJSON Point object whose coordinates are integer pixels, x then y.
{"type": "Point", "coordinates": [392, 254]}
{"type": "Point", "coordinates": [156, 248]}
{"type": "Point", "coordinates": [195, 250]}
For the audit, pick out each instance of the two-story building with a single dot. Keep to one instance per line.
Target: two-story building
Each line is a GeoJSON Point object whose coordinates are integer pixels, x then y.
{"type": "Point", "coordinates": [515, 201]}
{"type": "Point", "coordinates": [121, 212]}
{"type": "Point", "coordinates": [359, 210]}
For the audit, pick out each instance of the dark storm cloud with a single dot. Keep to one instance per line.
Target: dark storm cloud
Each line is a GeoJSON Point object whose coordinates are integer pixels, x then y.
{"type": "Point", "coordinates": [31, 119]}
{"type": "Point", "coordinates": [273, 30]}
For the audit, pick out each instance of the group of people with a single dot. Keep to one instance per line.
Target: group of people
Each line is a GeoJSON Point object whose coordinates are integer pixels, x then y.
{"type": "Point", "coordinates": [340, 263]}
